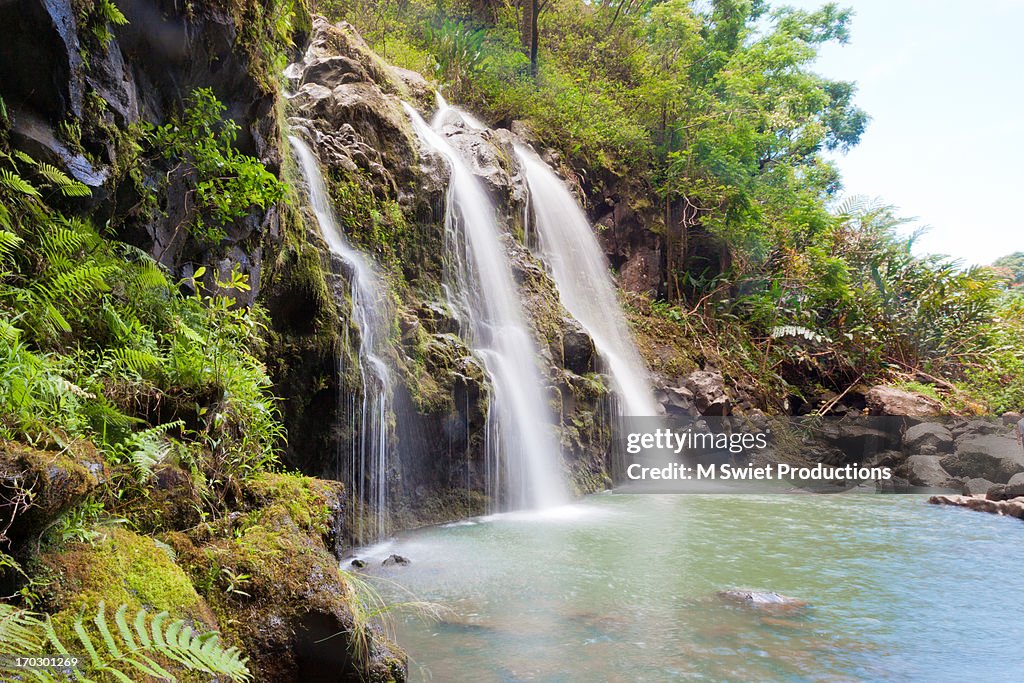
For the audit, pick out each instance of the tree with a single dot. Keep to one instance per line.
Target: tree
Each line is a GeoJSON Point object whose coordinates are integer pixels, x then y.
{"type": "Point", "coordinates": [1014, 266]}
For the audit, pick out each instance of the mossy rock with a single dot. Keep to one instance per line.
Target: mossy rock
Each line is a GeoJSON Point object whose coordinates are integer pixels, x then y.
{"type": "Point", "coordinates": [276, 587]}
{"type": "Point", "coordinates": [57, 481]}
{"type": "Point", "coordinates": [121, 567]}
{"type": "Point", "coordinates": [315, 506]}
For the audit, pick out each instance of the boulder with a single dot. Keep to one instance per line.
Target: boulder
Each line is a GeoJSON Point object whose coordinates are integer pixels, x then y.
{"type": "Point", "coordinates": [1004, 491]}
{"type": "Point", "coordinates": [924, 470]}
{"type": "Point", "coordinates": [977, 486]}
{"type": "Point", "coordinates": [577, 348]}
{"type": "Point", "coordinates": [678, 401]}
{"type": "Point", "coordinates": [708, 389]}
{"type": "Point", "coordinates": [38, 486]}
{"type": "Point", "coordinates": [993, 457]}
{"type": "Point", "coordinates": [976, 427]}
{"type": "Point", "coordinates": [1011, 418]}
{"type": "Point", "coordinates": [883, 400]}
{"type": "Point", "coordinates": [928, 438]}
{"type": "Point", "coordinates": [860, 440]}
{"type": "Point", "coordinates": [394, 559]}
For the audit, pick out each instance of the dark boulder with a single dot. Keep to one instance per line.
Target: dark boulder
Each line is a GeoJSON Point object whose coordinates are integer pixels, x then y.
{"type": "Point", "coordinates": [394, 559]}
{"type": "Point", "coordinates": [993, 457]}
{"type": "Point", "coordinates": [925, 470]}
{"type": "Point", "coordinates": [928, 438]}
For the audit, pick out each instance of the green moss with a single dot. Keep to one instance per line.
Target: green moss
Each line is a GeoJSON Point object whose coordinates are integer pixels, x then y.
{"type": "Point", "coordinates": [308, 502]}
{"type": "Point", "coordinates": [120, 568]}
{"type": "Point", "coordinates": [268, 573]}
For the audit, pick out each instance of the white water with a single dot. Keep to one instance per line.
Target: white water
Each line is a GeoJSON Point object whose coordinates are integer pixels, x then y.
{"type": "Point", "coordinates": [523, 455]}
{"type": "Point", "coordinates": [581, 273]}
{"type": "Point", "coordinates": [368, 461]}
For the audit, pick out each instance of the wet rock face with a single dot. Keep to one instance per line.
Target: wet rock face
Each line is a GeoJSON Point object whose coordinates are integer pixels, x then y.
{"type": "Point", "coordinates": [46, 83]}
{"type": "Point", "coordinates": [144, 74]}
{"type": "Point", "coordinates": [350, 109]}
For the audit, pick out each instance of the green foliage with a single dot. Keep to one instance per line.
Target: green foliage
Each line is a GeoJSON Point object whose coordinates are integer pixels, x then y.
{"type": "Point", "coordinates": [123, 651]}
{"type": "Point", "coordinates": [100, 16]}
{"type": "Point", "coordinates": [1013, 267]}
{"type": "Point", "coordinates": [225, 185]}
{"type": "Point", "coordinates": [96, 343]}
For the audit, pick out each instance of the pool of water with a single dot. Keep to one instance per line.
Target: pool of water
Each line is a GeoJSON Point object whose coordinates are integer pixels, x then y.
{"type": "Point", "coordinates": [624, 588]}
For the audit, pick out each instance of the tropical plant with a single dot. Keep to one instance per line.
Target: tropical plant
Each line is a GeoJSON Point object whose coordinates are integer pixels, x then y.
{"type": "Point", "coordinates": [227, 184]}
{"type": "Point", "coordinates": [122, 651]}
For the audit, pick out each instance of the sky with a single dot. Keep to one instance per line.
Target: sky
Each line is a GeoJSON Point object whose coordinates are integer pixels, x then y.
{"type": "Point", "coordinates": [943, 83]}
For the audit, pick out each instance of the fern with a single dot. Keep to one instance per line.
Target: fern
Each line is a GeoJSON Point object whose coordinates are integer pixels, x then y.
{"type": "Point", "coordinates": [60, 180]}
{"type": "Point", "coordinates": [9, 242]}
{"type": "Point", "coordinates": [14, 182]}
{"type": "Point", "coordinates": [136, 360]}
{"type": "Point", "coordinates": [125, 651]}
{"type": "Point", "coordinates": [148, 447]}
{"type": "Point", "coordinates": [79, 284]}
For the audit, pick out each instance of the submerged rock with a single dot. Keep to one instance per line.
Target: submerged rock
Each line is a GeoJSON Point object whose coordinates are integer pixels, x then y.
{"type": "Point", "coordinates": [1009, 508]}
{"type": "Point", "coordinates": [357, 563]}
{"type": "Point", "coordinates": [757, 599]}
{"type": "Point", "coordinates": [393, 560]}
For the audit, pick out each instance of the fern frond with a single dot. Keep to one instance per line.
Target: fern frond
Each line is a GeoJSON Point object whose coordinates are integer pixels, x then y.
{"type": "Point", "coordinates": [24, 158]}
{"type": "Point", "coordinates": [124, 654]}
{"type": "Point", "coordinates": [79, 284]}
{"type": "Point", "coordinates": [136, 360]}
{"type": "Point", "coordinates": [68, 186]}
{"type": "Point", "coordinates": [8, 333]}
{"type": "Point", "coordinates": [14, 182]}
{"type": "Point", "coordinates": [18, 631]}
{"type": "Point", "coordinates": [9, 242]}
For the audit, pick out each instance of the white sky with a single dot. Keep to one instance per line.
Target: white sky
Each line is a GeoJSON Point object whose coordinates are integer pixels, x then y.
{"type": "Point", "coordinates": [943, 83]}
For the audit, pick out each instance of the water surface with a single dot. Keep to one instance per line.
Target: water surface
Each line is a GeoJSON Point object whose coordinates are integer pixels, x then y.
{"type": "Point", "coordinates": [623, 588]}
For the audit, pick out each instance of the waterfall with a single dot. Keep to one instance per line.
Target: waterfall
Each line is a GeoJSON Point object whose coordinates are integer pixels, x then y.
{"type": "Point", "coordinates": [581, 273]}
{"type": "Point", "coordinates": [523, 454]}
{"type": "Point", "coordinates": [368, 460]}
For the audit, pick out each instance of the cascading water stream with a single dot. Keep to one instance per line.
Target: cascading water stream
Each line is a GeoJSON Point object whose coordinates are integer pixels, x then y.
{"type": "Point", "coordinates": [369, 460]}
{"type": "Point", "coordinates": [523, 454]}
{"type": "Point", "coordinates": [581, 273]}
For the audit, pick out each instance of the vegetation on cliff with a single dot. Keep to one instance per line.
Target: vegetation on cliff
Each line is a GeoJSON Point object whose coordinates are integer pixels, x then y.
{"type": "Point", "coordinates": [710, 122]}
